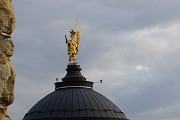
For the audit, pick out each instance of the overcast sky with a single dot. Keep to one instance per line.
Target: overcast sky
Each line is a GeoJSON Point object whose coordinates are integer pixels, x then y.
{"type": "Point", "coordinates": [132, 45]}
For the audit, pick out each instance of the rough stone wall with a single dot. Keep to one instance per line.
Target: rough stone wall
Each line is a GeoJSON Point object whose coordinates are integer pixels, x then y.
{"type": "Point", "coordinates": [7, 73]}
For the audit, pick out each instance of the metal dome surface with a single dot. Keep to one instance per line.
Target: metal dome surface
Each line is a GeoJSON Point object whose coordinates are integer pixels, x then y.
{"type": "Point", "coordinates": [75, 103]}
{"type": "Point", "coordinates": [74, 99]}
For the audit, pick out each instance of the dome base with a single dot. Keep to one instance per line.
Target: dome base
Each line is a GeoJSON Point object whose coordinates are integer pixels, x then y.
{"type": "Point", "coordinates": [73, 78]}
{"type": "Point", "coordinates": [83, 118]}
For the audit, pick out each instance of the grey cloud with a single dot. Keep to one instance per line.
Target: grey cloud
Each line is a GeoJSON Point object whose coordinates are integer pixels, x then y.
{"type": "Point", "coordinates": [117, 36]}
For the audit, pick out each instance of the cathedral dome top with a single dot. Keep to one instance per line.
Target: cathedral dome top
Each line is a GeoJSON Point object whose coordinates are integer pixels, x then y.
{"type": "Point", "coordinates": [74, 99]}
{"type": "Point", "coordinates": [75, 104]}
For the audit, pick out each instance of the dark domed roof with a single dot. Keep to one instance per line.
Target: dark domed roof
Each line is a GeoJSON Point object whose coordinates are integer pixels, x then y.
{"type": "Point", "coordinates": [74, 101]}
{"type": "Point", "coordinates": [70, 103]}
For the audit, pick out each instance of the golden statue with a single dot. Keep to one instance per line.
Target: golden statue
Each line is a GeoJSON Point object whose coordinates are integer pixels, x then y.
{"type": "Point", "coordinates": [72, 45]}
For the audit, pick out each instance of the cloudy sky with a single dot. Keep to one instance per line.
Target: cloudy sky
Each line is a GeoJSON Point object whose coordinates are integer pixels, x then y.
{"type": "Point", "coordinates": [132, 45]}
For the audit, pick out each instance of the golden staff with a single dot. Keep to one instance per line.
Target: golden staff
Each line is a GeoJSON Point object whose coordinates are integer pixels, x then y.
{"type": "Point", "coordinates": [77, 32]}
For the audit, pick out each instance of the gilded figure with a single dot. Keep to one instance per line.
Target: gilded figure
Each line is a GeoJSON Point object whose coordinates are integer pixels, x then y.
{"type": "Point", "coordinates": [72, 44]}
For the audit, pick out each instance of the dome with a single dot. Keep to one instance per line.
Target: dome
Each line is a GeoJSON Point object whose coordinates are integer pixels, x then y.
{"type": "Point", "coordinates": [70, 103]}
{"type": "Point", "coordinates": [74, 99]}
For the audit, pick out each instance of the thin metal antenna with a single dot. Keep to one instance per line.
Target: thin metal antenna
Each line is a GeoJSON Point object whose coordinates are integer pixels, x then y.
{"type": "Point", "coordinates": [76, 15]}
{"type": "Point", "coordinates": [100, 81]}
{"type": "Point", "coordinates": [59, 78]}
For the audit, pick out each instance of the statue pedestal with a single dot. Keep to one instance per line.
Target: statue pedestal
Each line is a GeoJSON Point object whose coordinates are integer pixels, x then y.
{"type": "Point", "coordinates": [73, 78]}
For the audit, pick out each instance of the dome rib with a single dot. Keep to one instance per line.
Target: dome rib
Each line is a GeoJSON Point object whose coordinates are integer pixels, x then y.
{"type": "Point", "coordinates": [104, 107]}
{"type": "Point", "coordinates": [47, 106]}
{"type": "Point", "coordinates": [68, 104]}
{"type": "Point", "coordinates": [52, 106]}
{"type": "Point", "coordinates": [37, 108]}
{"type": "Point", "coordinates": [64, 100]}
{"type": "Point", "coordinates": [109, 107]}
{"type": "Point", "coordinates": [84, 109]}
{"type": "Point", "coordinates": [76, 103]}
{"type": "Point", "coordinates": [91, 112]}
{"type": "Point", "coordinates": [113, 107]}
{"type": "Point", "coordinates": [95, 106]}
{"type": "Point", "coordinates": [60, 99]}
